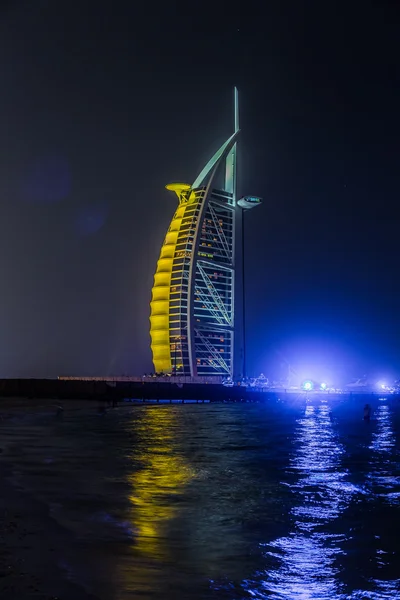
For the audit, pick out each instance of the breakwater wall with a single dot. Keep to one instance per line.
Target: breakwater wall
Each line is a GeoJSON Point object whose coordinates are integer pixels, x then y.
{"type": "Point", "coordinates": [113, 390]}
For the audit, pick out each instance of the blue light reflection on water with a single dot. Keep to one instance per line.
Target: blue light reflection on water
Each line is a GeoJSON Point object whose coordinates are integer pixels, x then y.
{"type": "Point", "coordinates": [307, 556]}
{"type": "Point", "coordinates": [381, 476]}
{"type": "Point", "coordinates": [383, 484]}
{"type": "Point", "coordinates": [310, 560]}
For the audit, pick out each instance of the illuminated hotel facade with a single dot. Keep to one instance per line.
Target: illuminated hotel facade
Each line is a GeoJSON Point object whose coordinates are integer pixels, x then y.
{"type": "Point", "coordinates": [192, 321]}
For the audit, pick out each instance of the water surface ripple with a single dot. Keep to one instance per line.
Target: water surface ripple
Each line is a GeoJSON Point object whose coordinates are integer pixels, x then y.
{"type": "Point", "coordinates": [295, 499]}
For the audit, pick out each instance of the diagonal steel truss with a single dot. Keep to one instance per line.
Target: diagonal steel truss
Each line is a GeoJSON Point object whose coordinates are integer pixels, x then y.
{"type": "Point", "coordinates": [221, 314]}
{"type": "Point", "coordinates": [215, 356]}
{"type": "Point", "coordinates": [220, 232]}
{"type": "Point", "coordinates": [222, 319]}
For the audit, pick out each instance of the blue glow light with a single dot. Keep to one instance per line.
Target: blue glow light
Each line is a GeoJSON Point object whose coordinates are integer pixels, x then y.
{"type": "Point", "coordinates": [323, 386]}
{"type": "Point", "coordinates": [308, 386]}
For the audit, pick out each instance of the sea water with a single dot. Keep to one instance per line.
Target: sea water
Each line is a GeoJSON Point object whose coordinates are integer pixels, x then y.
{"type": "Point", "coordinates": [288, 499]}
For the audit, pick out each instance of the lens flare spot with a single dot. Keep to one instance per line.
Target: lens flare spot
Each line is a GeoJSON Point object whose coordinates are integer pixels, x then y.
{"type": "Point", "coordinates": [90, 219]}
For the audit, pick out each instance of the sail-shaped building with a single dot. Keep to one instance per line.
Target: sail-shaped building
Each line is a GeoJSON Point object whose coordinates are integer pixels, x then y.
{"type": "Point", "coordinates": [192, 319]}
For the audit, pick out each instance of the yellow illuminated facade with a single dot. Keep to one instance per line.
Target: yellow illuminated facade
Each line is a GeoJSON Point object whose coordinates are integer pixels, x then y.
{"type": "Point", "coordinates": [192, 305]}
{"type": "Point", "coordinates": [159, 316]}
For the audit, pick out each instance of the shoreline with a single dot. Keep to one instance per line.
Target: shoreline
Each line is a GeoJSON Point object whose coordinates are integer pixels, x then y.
{"type": "Point", "coordinates": [110, 391]}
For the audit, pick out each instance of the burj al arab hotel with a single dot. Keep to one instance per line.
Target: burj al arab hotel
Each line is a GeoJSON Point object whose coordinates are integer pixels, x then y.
{"type": "Point", "coordinates": [192, 321]}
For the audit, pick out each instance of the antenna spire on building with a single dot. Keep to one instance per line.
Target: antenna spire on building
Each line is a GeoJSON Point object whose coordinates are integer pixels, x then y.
{"type": "Point", "coordinates": [231, 159]}
{"type": "Point", "coordinates": [236, 100]}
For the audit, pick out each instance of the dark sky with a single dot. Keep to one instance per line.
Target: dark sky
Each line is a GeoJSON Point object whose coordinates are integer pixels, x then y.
{"type": "Point", "coordinates": [103, 103]}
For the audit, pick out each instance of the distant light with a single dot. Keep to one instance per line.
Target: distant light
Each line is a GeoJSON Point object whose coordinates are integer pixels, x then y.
{"type": "Point", "coordinates": [308, 386]}
{"type": "Point", "coordinates": [323, 386]}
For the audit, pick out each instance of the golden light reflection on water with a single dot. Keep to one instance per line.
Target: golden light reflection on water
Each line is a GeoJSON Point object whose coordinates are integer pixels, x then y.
{"type": "Point", "coordinates": [158, 482]}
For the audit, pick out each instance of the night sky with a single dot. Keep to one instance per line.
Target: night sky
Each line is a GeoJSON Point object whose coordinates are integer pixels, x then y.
{"type": "Point", "coordinates": [102, 104]}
